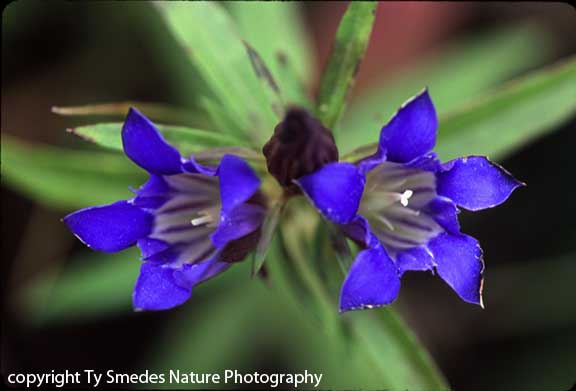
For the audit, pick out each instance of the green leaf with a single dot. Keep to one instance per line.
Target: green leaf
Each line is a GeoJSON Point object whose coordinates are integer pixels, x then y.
{"type": "Point", "coordinates": [186, 140]}
{"type": "Point", "coordinates": [268, 230]}
{"type": "Point", "coordinates": [380, 349]}
{"type": "Point", "coordinates": [214, 46]}
{"type": "Point", "coordinates": [349, 46]}
{"type": "Point", "coordinates": [267, 80]}
{"type": "Point", "coordinates": [396, 354]}
{"type": "Point", "coordinates": [154, 111]}
{"type": "Point", "coordinates": [506, 119]}
{"type": "Point", "coordinates": [289, 58]}
{"type": "Point", "coordinates": [93, 285]}
{"type": "Point", "coordinates": [460, 74]}
{"type": "Point", "coordinates": [212, 338]}
{"type": "Point", "coordinates": [67, 179]}
{"type": "Point", "coordinates": [512, 116]}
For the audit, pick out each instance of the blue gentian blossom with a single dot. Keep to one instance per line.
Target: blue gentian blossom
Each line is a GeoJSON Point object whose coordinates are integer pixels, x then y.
{"type": "Point", "coordinates": [189, 221]}
{"type": "Point", "coordinates": [401, 205]}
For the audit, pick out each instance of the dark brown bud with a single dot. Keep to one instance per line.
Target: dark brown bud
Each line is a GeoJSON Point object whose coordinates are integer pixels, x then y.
{"type": "Point", "coordinates": [299, 146]}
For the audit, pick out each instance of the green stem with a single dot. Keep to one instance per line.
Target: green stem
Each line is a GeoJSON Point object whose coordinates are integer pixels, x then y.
{"type": "Point", "coordinates": [395, 351]}
{"type": "Point", "coordinates": [311, 280]}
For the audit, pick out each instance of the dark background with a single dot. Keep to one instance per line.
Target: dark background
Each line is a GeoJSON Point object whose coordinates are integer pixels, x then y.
{"type": "Point", "coordinates": [60, 53]}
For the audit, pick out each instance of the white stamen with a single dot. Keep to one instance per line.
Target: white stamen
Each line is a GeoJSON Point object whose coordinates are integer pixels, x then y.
{"type": "Point", "coordinates": [201, 220]}
{"type": "Point", "coordinates": [404, 197]}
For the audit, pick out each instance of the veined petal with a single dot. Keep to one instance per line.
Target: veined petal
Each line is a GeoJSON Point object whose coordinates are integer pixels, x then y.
{"type": "Point", "coordinates": [193, 166]}
{"type": "Point", "coordinates": [149, 246]}
{"type": "Point", "coordinates": [158, 289]}
{"type": "Point", "coordinates": [412, 131]}
{"type": "Point", "coordinates": [238, 182]}
{"type": "Point", "coordinates": [241, 221]}
{"type": "Point", "coordinates": [368, 163]}
{"type": "Point", "coordinates": [110, 228]}
{"type": "Point", "coordinates": [153, 194]}
{"type": "Point", "coordinates": [445, 213]}
{"type": "Point", "coordinates": [475, 183]}
{"type": "Point", "coordinates": [428, 162]}
{"type": "Point", "coordinates": [144, 144]}
{"type": "Point", "coordinates": [458, 260]}
{"type": "Point", "coordinates": [359, 230]}
{"type": "Point", "coordinates": [335, 190]}
{"type": "Point", "coordinates": [371, 282]}
{"type": "Point", "coordinates": [191, 275]}
{"type": "Point", "coordinates": [415, 259]}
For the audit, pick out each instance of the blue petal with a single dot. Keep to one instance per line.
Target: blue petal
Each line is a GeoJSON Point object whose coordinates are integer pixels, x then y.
{"type": "Point", "coordinates": [458, 261]}
{"type": "Point", "coordinates": [414, 259]}
{"type": "Point", "coordinates": [144, 144]}
{"type": "Point", "coordinates": [153, 194]}
{"type": "Point", "coordinates": [428, 162]}
{"type": "Point", "coordinates": [194, 167]}
{"type": "Point", "coordinates": [335, 190]}
{"type": "Point", "coordinates": [158, 289]}
{"type": "Point", "coordinates": [191, 275]}
{"type": "Point", "coordinates": [412, 131]}
{"type": "Point", "coordinates": [359, 230]}
{"type": "Point", "coordinates": [475, 183]}
{"type": "Point", "coordinates": [149, 247]}
{"type": "Point", "coordinates": [371, 282]}
{"type": "Point", "coordinates": [238, 182]}
{"type": "Point", "coordinates": [445, 213]}
{"type": "Point", "coordinates": [370, 162]}
{"type": "Point", "coordinates": [241, 221]}
{"type": "Point", "coordinates": [111, 227]}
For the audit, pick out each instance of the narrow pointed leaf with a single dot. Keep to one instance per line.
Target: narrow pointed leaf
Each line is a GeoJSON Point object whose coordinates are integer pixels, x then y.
{"type": "Point", "coordinates": [288, 58]}
{"type": "Point", "coordinates": [209, 37]}
{"type": "Point", "coordinates": [347, 52]}
{"type": "Point", "coordinates": [67, 179]}
{"type": "Point", "coordinates": [514, 115]}
{"type": "Point", "coordinates": [154, 111]}
{"type": "Point", "coordinates": [488, 59]}
{"type": "Point", "coordinates": [270, 86]}
{"type": "Point", "coordinates": [187, 140]}
{"type": "Point", "coordinates": [390, 345]}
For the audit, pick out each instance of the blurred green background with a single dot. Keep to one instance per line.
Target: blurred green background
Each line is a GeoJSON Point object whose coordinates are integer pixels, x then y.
{"type": "Point", "coordinates": [65, 307]}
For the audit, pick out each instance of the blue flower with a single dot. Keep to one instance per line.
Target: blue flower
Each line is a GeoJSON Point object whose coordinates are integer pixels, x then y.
{"type": "Point", "coordinates": [189, 221]}
{"type": "Point", "coordinates": [401, 205]}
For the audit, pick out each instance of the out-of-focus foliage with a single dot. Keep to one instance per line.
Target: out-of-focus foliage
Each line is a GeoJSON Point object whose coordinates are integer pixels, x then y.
{"type": "Point", "coordinates": [67, 179]}
{"type": "Point", "coordinates": [461, 73]}
{"type": "Point", "coordinates": [276, 31]}
{"type": "Point", "coordinates": [504, 120]}
{"type": "Point", "coordinates": [94, 285]}
{"type": "Point", "coordinates": [214, 46]}
{"type": "Point", "coordinates": [512, 116]}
